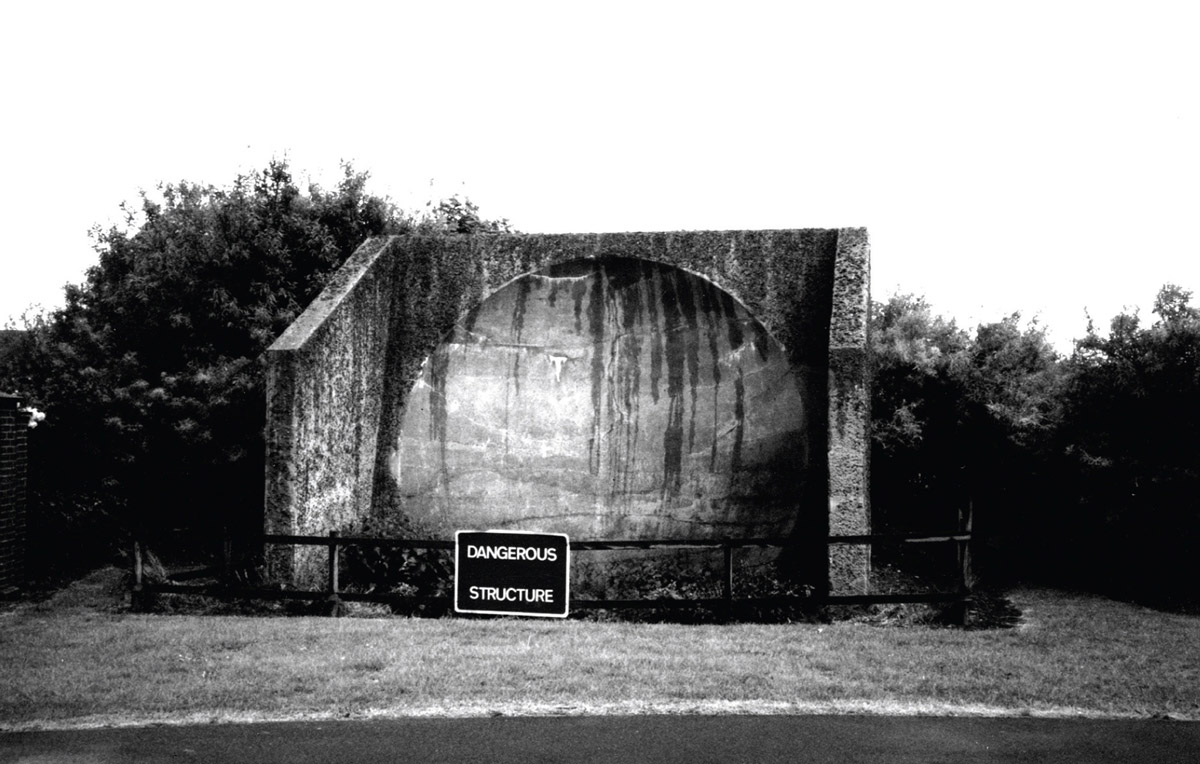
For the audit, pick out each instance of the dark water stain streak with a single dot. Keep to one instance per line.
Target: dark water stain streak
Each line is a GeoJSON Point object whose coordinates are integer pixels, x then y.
{"type": "Point", "coordinates": [579, 290]}
{"type": "Point", "coordinates": [630, 301]}
{"type": "Point", "coordinates": [713, 310]}
{"type": "Point", "coordinates": [739, 416]}
{"type": "Point", "coordinates": [439, 366]}
{"type": "Point", "coordinates": [691, 345]}
{"type": "Point", "coordinates": [597, 304]}
{"type": "Point", "coordinates": [654, 282]}
{"type": "Point", "coordinates": [675, 357]}
{"type": "Point", "coordinates": [733, 323]}
{"type": "Point", "coordinates": [518, 327]}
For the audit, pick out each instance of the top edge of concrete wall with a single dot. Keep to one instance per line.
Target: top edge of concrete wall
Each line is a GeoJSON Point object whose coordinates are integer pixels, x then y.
{"type": "Point", "coordinates": [343, 281]}
{"type": "Point", "coordinates": [360, 262]}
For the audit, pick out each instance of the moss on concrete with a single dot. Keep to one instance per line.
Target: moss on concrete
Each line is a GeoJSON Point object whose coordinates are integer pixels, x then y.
{"type": "Point", "coordinates": [339, 376]}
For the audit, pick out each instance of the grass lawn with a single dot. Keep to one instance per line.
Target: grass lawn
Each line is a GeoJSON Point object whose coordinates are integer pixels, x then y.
{"type": "Point", "coordinates": [80, 659]}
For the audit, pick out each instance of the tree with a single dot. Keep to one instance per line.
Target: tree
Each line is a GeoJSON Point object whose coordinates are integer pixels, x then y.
{"type": "Point", "coordinates": [960, 420]}
{"type": "Point", "coordinates": [912, 350]}
{"type": "Point", "coordinates": [455, 215]}
{"type": "Point", "coordinates": [152, 370]}
{"type": "Point", "coordinates": [1131, 435]}
{"type": "Point", "coordinates": [1082, 471]}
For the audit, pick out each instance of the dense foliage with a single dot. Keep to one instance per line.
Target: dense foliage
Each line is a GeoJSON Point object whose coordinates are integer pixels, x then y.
{"type": "Point", "coordinates": [1131, 437]}
{"type": "Point", "coordinates": [1083, 470]}
{"type": "Point", "coordinates": [152, 372]}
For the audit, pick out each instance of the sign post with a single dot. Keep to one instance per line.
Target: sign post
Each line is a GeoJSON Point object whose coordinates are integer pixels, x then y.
{"type": "Point", "coordinates": [512, 573]}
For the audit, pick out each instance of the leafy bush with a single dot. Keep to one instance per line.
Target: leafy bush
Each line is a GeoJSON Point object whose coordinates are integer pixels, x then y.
{"type": "Point", "coordinates": [401, 571]}
{"type": "Point", "coordinates": [152, 372]}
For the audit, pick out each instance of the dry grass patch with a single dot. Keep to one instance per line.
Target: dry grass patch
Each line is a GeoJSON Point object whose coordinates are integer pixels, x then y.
{"type": "Point", "coordinates": [67, 661]}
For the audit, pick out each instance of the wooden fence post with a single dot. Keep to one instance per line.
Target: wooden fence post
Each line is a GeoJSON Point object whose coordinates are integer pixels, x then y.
{"type": "Point", "coordinates": [335, 605]}
{"type": "Point", "coordinates": [965, 522]}
{"type": "Point", "coordinates": [727, 583]}
{"type": "Point", "coordinates": [226, 556]}
{"type": "Point", "coordinates": [136, 601]}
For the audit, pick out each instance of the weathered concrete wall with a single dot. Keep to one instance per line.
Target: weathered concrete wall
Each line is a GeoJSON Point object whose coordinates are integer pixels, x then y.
{"type": "Point", "coordinates": [605, 398]}
{"type": "Point", "coordinates": [339, 379]}
{"type": "Point", "coordinates": [324, 397]}
{"type": "Point", "coordinates": [850, 412]}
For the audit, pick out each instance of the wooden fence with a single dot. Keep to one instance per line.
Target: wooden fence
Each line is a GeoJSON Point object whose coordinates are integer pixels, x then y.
{"type": "Point", "coordinates": [334, 593]}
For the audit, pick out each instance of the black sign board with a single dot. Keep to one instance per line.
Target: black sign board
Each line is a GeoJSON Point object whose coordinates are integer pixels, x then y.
{"type": "Point", "coordinates": [512, 573]}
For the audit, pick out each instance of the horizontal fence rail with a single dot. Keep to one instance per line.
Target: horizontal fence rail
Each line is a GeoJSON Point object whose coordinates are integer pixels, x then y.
{"type": "Point", "coordinates": [335, 594]}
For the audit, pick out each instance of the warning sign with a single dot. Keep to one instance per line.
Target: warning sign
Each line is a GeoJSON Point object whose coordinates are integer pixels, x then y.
{"type": "Point", "coordinates": [512, 573]}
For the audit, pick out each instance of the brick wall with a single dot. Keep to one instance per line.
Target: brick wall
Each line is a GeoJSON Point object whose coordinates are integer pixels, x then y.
{"type": "Point", "coordinates": [14, 426]}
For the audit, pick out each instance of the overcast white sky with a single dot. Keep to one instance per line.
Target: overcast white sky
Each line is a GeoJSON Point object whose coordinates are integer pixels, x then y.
{"type": "Point", "coordinates": [1040, 156]}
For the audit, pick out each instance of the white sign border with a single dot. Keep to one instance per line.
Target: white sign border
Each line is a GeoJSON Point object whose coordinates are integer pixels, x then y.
{"type": "Point", "coordinates": [566, 591]}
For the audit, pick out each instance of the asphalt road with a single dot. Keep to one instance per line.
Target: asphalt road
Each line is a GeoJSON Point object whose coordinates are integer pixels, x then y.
{"type": "Point", "coordinates": [683, 739]}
